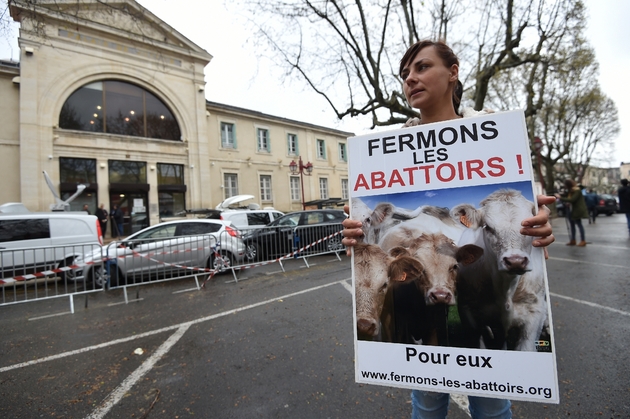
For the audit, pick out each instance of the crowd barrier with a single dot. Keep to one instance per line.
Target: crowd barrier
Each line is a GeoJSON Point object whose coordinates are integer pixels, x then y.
{"type": "Point", "coordinates": [73, 270]}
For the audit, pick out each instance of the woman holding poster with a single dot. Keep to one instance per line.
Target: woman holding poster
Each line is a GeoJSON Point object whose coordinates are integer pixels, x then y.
{"type": "Point", "coordinates": [430, 71]}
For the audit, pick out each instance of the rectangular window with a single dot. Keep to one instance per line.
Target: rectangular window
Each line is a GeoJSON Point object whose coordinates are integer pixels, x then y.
{"type": "Point", "coordinates": [263, 140]}
{"type": "Point", "coordinates": [292, 145]}
{"type": "Point", "coordinates": [228, 138]}
{"type": "Point", "coordinates": [344, 189]}
{"type": "Point", "coordinates": [321, 149]}
{"type": "Point", "coordinates": [323, 188]}
{"type": "Point", "coordinates": [295, 188]}
{"type": "Point", "coordinates": [123, 171]}
{"type": "Point", "coordinates": [265, 188]}
{"type": "Point", "coordinates": [343, 156]}
{"type": "Point", "coordinates": [171, 189]}
{"type": "Point", "coordinates": [230, 184]}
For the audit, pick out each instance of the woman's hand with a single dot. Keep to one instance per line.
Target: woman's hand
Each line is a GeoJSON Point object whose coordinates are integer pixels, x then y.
{"type": "Point", "coordinates": [351, 231]}
{"type": "Point", "coordinates": [538, 226]}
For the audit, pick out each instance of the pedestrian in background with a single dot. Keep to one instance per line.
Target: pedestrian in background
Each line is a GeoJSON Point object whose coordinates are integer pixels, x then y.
{"type": "Point", "coordinates": [591, 205]}
{"type": "Point", "coordinates": [86, 208]}
{"type": "Point", "coordinates": [102, 215]}
{"type": "Point", "coordinates": [624, 200]}
{"type": "Point", "coordinates": [578, 210]}
{"type": "Point", "coordinates": [117, 221]}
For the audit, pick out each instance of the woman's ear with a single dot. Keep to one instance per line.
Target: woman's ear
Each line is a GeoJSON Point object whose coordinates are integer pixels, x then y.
{"type": "Point", "coordinates": [454, 73]}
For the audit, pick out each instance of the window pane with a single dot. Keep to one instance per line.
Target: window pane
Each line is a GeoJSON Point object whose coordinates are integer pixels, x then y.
{"type": "Point", "coordinates": [344, 189]}
{"type": "Point", "coordinates": [323, 188]}
{"type": "Point", "coordinates": [160, 121]}
{"type": "Point", "coordinates": [292, 146]}
{"type": "Point", "coordinates": [265, 188]}
{"type": "Point", "coordinates": [189, 229]}
{"type": "Point", "coordinates": [14, 230]}
{"type": "Point", "coordinates": [170, 174]}
{"type": "Point", "coordinates": [127, 171]}
{"type": "Point", "coordinates": [170, 203]}
{"type": "Point", "coordinates": [227, 135]}
{"type": "Point", "coordinates": [230, 184]}
{"type": "Point", "coordinates": [84, 109]}
{"type": "Point", "coordinates": [295, 188]}
{"type": "Point", "coordinates": [77, 170]}
{"type": "Point", "coordinates": [124, 107]}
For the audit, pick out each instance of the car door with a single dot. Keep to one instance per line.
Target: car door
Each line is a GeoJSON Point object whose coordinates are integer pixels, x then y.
{"type": "Point", "coordinates": [197, 242]}
{"type": "Point", "coordinates": [150, 252]}
{"type": "Point", "coordinates": [281, 240]}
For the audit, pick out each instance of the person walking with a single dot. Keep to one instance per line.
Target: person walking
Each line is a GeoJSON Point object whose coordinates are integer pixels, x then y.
{"type": "Point", "coordinates": [430, 74]}
{"type": "Point", "coordinates": [624, 200]}
{"type": "Point", "coordinates": [578, 210]}
{"type": "Point", "coordinates": [102, 215]}
{"type": "Point", "coordinates": [591, 205]}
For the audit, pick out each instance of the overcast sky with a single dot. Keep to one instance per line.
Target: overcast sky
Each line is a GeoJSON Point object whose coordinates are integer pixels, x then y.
{"type": "Point", "coordinates": [236, 77]}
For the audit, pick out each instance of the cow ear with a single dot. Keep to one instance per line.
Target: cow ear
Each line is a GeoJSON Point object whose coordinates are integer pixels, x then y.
{"type": "Point", "coordinates": [381, 211]}
{"type": "Point", "coordinates": [468, 254]}
{"type": "Point", "coordinates": [466, 215]}
{"type": "Point", "coordinates": [398, 251]}
{"type": "Point", "coordinates": [405, 268]}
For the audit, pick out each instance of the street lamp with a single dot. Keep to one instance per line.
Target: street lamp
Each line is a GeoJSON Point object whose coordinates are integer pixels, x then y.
{"type": "Point", "coordinates": [303, 170]}
{"type": "Point", "coordinates": [538, 145]}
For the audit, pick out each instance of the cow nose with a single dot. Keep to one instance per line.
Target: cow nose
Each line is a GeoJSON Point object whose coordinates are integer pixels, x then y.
{"type": "Point", "coordinates": [516, 263]}
{"type": "Point", "coordinates": [366, 327]}
{"type": "Point", "coordinates": [441, 296]}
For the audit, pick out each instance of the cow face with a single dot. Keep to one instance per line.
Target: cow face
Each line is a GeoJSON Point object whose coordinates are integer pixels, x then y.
{"type": "Point", "coordinates": [375, 272]}
{"type": "Point", "coordinates": [441, 259]}
{"type": "Point", "coordinates": [500, 215]}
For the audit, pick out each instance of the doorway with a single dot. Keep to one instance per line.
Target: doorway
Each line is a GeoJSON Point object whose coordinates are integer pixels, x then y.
{"type": "Point", "coordinates": [134, 206]}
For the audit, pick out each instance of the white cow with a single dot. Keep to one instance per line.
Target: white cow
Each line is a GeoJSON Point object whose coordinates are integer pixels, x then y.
{"type": "Point", "coordinates": [501, 297]}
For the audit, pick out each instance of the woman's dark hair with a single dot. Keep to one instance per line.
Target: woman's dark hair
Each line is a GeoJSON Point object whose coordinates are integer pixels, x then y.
{"type": "Point", "coordinates": [448, 58]}
{"type": "Point", "coordinates": [569, 183]}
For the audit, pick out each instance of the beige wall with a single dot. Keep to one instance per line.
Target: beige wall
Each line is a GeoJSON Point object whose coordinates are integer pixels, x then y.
{"type": "Point", "coordinates": [9, 135]}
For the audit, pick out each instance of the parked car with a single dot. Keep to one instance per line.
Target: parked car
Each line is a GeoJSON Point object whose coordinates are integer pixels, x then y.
{"type": "Point", "coordinates": [245, 218]}
{"type": "Point", "coordinates": [293, 231]}
{"type": "Point", "coordinates": [41, 241]}
{"type": "Point", "coordinates": [162, 250]}
{"type": "Point", "coordinates": [607, 204]}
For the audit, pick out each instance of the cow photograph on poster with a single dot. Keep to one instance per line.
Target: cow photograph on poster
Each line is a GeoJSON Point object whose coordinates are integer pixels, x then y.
{"type": "Point", "coordinates": [448, 295]}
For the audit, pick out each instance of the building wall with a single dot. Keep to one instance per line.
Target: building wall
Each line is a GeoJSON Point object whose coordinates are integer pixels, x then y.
{"type": "Point", "coordinates": [97, 46]}
{"type": "Point", "coordinates": [9, 133]}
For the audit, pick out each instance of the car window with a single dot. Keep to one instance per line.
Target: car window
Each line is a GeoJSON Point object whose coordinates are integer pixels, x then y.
{"type": "Point", "coordinates": [290, 220]}
{"type": "Point", "coordinates": [158, 232]}
{"type": "Point", "coordinates": [314, 218]}
{"type": "Point", "coordinates": [258, 218]}
{"type": "Point", "coordinates": [14, 230]}
{"type": "Point", "coordinates": [190, 229]}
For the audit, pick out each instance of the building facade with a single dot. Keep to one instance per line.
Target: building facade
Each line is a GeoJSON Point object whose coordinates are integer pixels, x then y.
{"type": "Point", "coordinates": [110, 96]}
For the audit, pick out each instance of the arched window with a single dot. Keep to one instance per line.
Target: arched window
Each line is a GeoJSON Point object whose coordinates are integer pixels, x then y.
{"type": "Point", "coordinates": [117, 107]}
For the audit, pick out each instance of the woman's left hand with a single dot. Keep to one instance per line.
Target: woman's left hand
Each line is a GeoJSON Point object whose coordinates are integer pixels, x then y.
{"type": "Point", "coordinates": [538, 225]}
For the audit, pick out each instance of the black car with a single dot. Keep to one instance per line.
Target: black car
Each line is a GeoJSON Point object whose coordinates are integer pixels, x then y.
{"type": "Point", "coordinates": [607, 204]}
{"type": "Point", "coordinates": [300, 232]}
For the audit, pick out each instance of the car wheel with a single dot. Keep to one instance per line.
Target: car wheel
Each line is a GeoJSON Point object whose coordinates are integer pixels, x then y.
{"type": "Point", "coordinates": [98, 277]}
{"type": "Point", "coordinates": [334, 244]}
{"type": "Point", "coordinates": [221, 263]}
{"type": "Point", "coordinates": [252, 252]}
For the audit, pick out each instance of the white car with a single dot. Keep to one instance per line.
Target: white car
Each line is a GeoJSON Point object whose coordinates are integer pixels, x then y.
{"type": "Point", "coordinates": [168, 249]}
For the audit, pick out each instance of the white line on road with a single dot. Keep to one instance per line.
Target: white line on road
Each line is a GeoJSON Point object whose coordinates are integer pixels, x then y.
{"type": "Point", "coordinates": [120, 391]}
{"type": "Point", "coordinates": [162, 330]}
{"type": "Point", "coordinates": [50, 315]}
{"type": "Point", "coordinates": [588, 263]}
{"type": "Point", "coordinates": [588, 303]}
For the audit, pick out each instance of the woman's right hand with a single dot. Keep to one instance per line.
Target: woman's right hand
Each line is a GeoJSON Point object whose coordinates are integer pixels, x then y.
{"type": "Point", "coordinates": [351, 231]}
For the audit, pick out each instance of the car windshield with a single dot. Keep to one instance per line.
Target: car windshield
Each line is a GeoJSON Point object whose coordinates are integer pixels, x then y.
{"type": "Point", "coordinates": [289, 220]}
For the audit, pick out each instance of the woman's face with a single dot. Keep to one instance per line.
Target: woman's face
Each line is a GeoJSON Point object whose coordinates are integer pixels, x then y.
{"type": "Point", "coordinates": [428, 83]}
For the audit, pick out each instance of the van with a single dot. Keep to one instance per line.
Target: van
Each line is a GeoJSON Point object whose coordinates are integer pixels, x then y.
{"type": "Point", "coordinates": [33, 242]}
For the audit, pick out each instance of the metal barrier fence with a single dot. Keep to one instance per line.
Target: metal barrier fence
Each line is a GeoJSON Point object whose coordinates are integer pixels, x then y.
{"type": "Point", "coordinates": [41, 273]}
{"type": "Point", "coordinates": [72, 270]}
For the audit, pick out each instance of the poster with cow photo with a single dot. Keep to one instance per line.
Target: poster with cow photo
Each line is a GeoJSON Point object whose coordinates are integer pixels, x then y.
{"type": "Point", "coordinates": [448, 295]}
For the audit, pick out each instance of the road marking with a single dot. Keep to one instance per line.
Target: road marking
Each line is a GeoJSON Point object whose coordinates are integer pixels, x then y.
{"type": "Point", "coordinates": [120, 391]}
{"type": "Point", "coordinates": [164, 329]}
{"type": "Point", "coordinates": [135, 300]}
{"type": "Point", "coordinates": [588, 303]}
{"type": "Point", "coordinates": [588, 263]}
{"type": "Point", "coordinates": [50, 315]}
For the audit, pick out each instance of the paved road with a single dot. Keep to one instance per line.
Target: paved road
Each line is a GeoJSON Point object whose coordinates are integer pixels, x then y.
{"type": "Point", "coordinates": [280, 345]}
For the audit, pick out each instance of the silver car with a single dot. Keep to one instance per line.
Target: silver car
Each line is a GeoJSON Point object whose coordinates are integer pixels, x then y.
{"type": "Point", "coordinates": [169, 249]}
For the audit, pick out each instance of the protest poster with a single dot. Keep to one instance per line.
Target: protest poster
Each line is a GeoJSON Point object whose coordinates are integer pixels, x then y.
{"type": "Point", "coordinates": [448, 296]}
